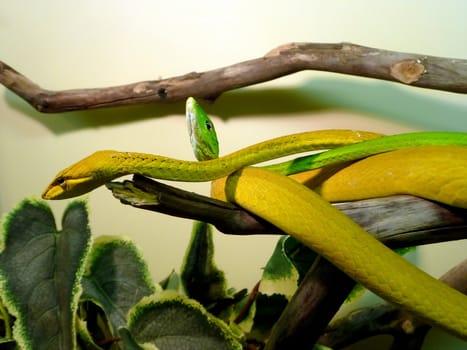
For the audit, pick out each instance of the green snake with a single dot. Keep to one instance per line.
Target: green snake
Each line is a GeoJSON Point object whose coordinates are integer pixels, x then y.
{"type": "Point", "coordinates": [301, 212]}
{"type": "Point", "coordinates": [203, 136]}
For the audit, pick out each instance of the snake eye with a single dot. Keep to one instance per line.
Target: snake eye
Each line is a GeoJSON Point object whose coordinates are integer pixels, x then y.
{"type": "Point", "coordinates": [61, 181]}
{"type": "Point", "coordinates": [208, 125]}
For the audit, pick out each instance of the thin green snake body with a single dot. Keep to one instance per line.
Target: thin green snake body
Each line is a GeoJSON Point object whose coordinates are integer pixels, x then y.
{"type": "Point", "coordinates": [297, 210]}
{"type": "Point", "coordinates": [104, 166]}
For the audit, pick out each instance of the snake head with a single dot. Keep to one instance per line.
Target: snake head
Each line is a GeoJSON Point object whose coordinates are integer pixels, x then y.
{"type": "Point", "coordinates": [63, 187]}
{"type": "Point", "coordinates": [202, 133]}
{"type": "Point", "coordinates": [80, 178]}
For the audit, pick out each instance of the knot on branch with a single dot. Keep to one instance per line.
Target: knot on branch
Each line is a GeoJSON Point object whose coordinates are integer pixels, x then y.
{"type": "Point", "coordinates": [407, 71]}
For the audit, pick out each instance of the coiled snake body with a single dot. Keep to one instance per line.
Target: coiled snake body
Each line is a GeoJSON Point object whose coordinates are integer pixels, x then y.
{"type": "Point", "coordinates": [305, 215]}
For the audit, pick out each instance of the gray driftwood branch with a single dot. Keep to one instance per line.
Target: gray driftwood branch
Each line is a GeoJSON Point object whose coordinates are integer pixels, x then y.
{"type": "Point", "coordinates": [398, 221]}
{"type": "Point", "coordinates": [411, 69]}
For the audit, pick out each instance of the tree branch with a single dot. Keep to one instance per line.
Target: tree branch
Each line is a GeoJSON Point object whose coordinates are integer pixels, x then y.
{"type": "Point", "coordinates": [413, 69]}
{"type": "Point", "coordinates": [398, 221]}
{"type": "Point", "coordinates": [148, 194]}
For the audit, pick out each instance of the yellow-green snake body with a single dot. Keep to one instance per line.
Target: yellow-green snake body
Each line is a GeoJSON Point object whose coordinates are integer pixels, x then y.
{"type": "Point", "coordinates": [104, 166]}
{"type": "Point", "coordinates": [308, 217]}
{"type": "Point", "coordinates": [299, 211]}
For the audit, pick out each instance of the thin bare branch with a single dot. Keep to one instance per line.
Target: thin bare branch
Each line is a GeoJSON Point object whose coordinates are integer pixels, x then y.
{"type": "Point", "coordinates": [412, 69]}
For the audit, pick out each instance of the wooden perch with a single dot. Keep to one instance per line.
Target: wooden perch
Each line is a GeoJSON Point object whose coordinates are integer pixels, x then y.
{"type": "Point", "coordinates": [148, 194]}
{"type": "Point", "coordinates": [412, 69]}
{"type": "Point", "coordinates": [398, 221]}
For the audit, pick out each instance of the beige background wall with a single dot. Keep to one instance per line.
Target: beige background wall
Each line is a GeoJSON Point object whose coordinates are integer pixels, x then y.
{"type": "Point", "coordinates": [64, 44]}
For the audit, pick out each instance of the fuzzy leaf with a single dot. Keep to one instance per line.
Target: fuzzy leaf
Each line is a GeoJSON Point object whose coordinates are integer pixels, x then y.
{"type": "Point", "coordinates": [40, 269]}
{"type": "Point", "coordinates": [131, 344]}
{"type": "Point", "coordinates": [116, 278]}
{"type": "Point", "coordinates": [280, 275]}
{"type": "Point", "coordinates": [173, 322]}
{"type": "Point", "coordinates": [202, 279]}
{"type": "Point", "coordinates": [85, 337]}
{"type": "Point", "coordinates": [172, 282]}
{"type": "Point", "coordinates": [299, 255]}
{"type": "Point", "coordinates": [268, 309]}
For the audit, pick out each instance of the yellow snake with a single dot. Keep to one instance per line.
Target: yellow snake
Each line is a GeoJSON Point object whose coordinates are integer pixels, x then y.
{"type": "Point", "coordinates": [307, 216]}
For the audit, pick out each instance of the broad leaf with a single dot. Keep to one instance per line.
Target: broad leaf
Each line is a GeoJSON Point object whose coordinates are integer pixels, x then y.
{"type": "Point", "coordinates": [280, 275]}
{"type": "Point", "coordinates": [202, 279]}
{"type": "Point", "coordinates": [130, 344]}
{"type": "Point", "coordinates": [173, 322]}
{"type": "Point", "coordinates": [41, 269]}
{"type": "Point", "coordinates": [172, 282]}
{"type": "Point", "coordinates": [85, 339]}
{"type": "Point", "coordinates": [299, 255]}
{"type": "Point", "coordinates": [116, 278]}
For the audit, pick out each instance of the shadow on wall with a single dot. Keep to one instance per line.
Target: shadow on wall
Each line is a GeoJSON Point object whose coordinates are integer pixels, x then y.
{"type": "Point", "coordinates": [420, 108]}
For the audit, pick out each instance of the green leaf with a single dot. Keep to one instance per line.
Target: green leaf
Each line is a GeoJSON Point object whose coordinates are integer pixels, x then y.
{"type": "Point", "coordinates": [85, 339]}
{"type": "Point", "coordinates": [40, 270]}
{"type": "Point", "coordinates": [299, 255]}
{"type": "Point", "coordinates": [116, 278]}
{"type": "Point", "coordinates": [267, 312]}
{"type": "Point", "coordinates": [130, 344]}
{"type": "Point", "coordinates": [172, 282]}
{"type": "Point", "coordinates": [280, 275]}
{"type": "Point", "coordinates": [173, 322]}
{"type": "Point", "coordinates": [6, 322]}
{"type": "Point", "coordinates": [202, 279]}
{"type": "Point", "coordinates": [94, 327]}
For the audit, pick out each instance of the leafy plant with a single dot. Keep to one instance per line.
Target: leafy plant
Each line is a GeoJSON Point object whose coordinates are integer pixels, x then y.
{"type": "Point", "coordinates": [40, 270]}
{"type": "Point", "coordinates": [62, 289]}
